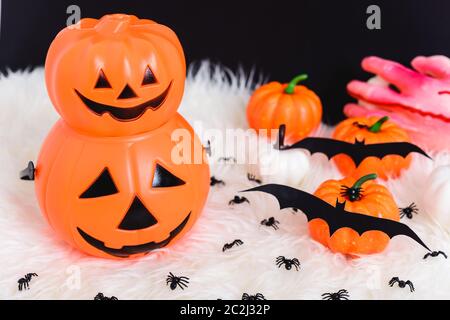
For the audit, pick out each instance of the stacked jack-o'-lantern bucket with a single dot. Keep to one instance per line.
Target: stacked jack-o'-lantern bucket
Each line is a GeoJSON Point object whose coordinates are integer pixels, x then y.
{"type": "Point", "coordinates": [110, 179]}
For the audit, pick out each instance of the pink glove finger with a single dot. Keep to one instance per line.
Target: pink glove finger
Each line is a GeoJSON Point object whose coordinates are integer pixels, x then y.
{"type": "Point", "coordinates": [391, 71]}
{"type": "Point", "coordinates": [373, 93]}
{"type": "Point", "coordinates": [435, 66]}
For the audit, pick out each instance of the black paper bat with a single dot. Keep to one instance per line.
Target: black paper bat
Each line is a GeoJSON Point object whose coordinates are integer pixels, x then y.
{"type": "Point", "coordinates": [358, 151]}
{"type": "Point", "coordinates": [336, 217]}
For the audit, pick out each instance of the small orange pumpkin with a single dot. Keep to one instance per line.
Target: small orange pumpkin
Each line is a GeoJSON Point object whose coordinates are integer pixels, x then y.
{"type": "Point", "coordinates": [374, 200]}
{"type": "Point", "coordinates": [274, 104]}
{"type": "Point", "coordinates": [371, 130]}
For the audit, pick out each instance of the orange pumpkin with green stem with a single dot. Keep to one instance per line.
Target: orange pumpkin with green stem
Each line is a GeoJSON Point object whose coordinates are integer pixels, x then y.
{"type": "Point", "coordinates": [374, 200]}
{"type": "Point", "coordinates": [296, 106]}
{"type": "Point", "coordinates": [371, 130]}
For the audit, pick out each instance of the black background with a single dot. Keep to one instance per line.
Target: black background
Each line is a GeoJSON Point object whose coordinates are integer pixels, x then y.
{"type": "Point", "coordinates": [326, 39]}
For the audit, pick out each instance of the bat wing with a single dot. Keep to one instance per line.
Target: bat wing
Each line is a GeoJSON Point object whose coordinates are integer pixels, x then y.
{"type": "Point", "coordinates": [327, 146]}
{"type": "Point", "coordinates": [362, 223]}
{"type": "Point", "coordinates": [403, 149]}
{"type": "Point", "coordinates": [288, 197]}
{"type": "Point", "coordinates": [314, 207]}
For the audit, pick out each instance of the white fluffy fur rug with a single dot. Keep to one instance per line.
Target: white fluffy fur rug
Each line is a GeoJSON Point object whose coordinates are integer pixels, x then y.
{"type": "Point", "coordinates": [217, 99]}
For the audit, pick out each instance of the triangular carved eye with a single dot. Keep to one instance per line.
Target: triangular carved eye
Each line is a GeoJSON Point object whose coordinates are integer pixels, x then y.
{"type": "Point", "coordinates": [149, 77]}
{"type": "Point", "coordinates": [102, 186]}
{"type": "Point", "coordinates": [163, 178]}
{"type": "Point", "coordinates": [102, 82]}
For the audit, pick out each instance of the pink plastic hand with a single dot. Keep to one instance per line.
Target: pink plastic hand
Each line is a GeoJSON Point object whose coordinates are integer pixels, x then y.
{"type": "Point", "coordinates": [425, 89]}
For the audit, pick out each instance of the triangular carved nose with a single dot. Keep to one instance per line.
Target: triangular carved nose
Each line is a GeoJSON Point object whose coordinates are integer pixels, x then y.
{"type": "Point", "coordinates": [127, 93]}
{"type": "Point", "coordinates": [137, 217]}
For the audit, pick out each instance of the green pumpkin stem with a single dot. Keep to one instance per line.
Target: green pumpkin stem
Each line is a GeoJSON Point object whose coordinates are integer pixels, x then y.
{"type": "Point", "coordinates": [291, 86]}
{"type": "Point", "coordinates": [354, 193]}
{"type": "Point", "coordinates": [358, 183]}
{"type": "Point", "coordinates": [376, 127]}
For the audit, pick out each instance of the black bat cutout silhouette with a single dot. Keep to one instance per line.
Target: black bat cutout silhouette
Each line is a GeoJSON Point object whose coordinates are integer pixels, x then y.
{"type": "Point", "coordinates": [358, 151]}
{"type": "Point", "coordinates": [335, 217]}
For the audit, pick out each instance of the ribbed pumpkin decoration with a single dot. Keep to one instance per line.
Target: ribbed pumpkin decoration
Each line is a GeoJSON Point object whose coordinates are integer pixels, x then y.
{"type": "Point", "coordinates": [274, 104]}
{"type": "Point", "coordinates": [371, 130]}
{"type": "Point", "coordinates": [374, 200]}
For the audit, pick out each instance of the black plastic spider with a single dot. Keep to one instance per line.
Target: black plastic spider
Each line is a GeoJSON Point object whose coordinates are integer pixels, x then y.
{"type": "Point", "coordinates": [271, 222]}
{"type": "Point", "coordinates": [401, 283]}
{"type": "Point", "coordinates": [230, 245]}
{"type": "Point", "coordinates": [353, 194]}
{"type": "Point", "coordinates": [258, 296]}
{"type": "Point", "coordinates": [434, 254]}
{"type": "Point", "coordinates": [340, 295]}
{"type": "Point", "coordinates": [175, 281]}
{"type": "Point", "coordinates": [253, 178]}
{"type": "Point", "coordinates": [408, 211]}
{"type": "Point", "coordinates": [100, 296]}
{"type": "Point", "coordinates": [288, 263]}
{"type": "Point", "coordinates": [24, 283]}
{"type": "Point", "coordinates": [214, 181]}
{"type": "Point", "coordinates": [227, 159]}
{"type": "Point", "coordinates": [237, 200]}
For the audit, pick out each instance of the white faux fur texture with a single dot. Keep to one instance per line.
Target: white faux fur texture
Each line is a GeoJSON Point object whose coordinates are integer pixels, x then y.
{"type": "Point", "coordinates": [216, 98]}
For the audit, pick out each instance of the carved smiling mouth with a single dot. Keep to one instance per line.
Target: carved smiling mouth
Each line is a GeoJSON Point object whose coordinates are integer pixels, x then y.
{"type": "Point", "coordinates": [124, 114]}
{"type": "Point", "coordinates": [126, 251]}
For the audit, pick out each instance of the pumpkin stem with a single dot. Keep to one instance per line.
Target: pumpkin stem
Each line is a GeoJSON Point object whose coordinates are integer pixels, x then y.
{"type": "Point", "coordinates": [376, 127]}
{"type": "Point", "coordinates": [291, 86]}
{"type": "Point", "coordinates": [363, 179]}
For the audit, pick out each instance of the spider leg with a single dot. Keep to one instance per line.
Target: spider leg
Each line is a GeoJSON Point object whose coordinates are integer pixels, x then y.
{"type": "Point", "coordinates": [411, 286]}
{"type": "Point", "coordinates": [427, 255]}
{"type": "Point", "coordinates": [29, 172]}
{"type": "Point", "coordinates": [393, 281]}
{"type": "Point", "coordinates": [443, 253]}
{"type": "Point", "coordinates": [183, 280]}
